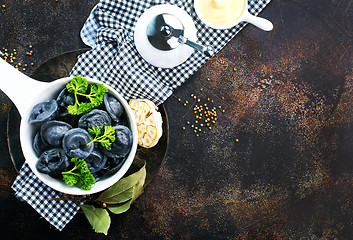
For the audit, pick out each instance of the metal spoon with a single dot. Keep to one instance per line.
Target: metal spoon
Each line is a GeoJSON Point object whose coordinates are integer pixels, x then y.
{"type": "Point", "coordinates": [207, 50]}
{"type": "Point", "coordinates": [166, 32]}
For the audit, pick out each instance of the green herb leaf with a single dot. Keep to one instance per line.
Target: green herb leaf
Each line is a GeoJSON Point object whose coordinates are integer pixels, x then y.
{"type": "Point", "coordinates": [125, 188]}
{"type": "Point", "coordinates": [79, 175]}
{"type": "Point", "coordinates": [137, 190]}
{"type": "Point", "coordinates": [78, 86]}
{"type": "Point", "coordinates": [120, 208]}
{"type": "Point", "coordinates": [98, 218]}
{"type": "Point", "coordinates": [128, 188]}
{"type": "Point", "coordinates": [106, 139]}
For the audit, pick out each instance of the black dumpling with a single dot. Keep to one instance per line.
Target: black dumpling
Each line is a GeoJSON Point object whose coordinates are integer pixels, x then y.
{"type": "Point", "coordinates": [64, 99]}
{"type": "Point", "coordinates": [52, 161]}
{"type": "Point", "coordinates": [122, 144]}
{"type": "Point", "coordinates": [38, 145]}
{"type": "Point", "coordinates": [52, 132]}
{"type": "Point", "coordinates": [95, 117]}
{"type": "Point", "coordinates": [111, 166]}
{"type": "Point", "coordinates": [96, 160]}
{"type": "Point", "coordinates": [43, 112]}
{"type": "Point", "coordinates": [75, 143]}
{"type": "Point", "coordinates": [113, 107]}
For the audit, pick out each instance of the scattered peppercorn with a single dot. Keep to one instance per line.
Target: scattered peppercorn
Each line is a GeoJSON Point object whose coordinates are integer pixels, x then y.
{"type": "Point", "coordinates": [10, 57]}
{"type": "Point", "coordinates": [205, 113]}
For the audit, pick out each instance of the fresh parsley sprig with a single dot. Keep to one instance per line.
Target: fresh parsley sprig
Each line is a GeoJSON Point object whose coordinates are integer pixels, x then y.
{"type": "Point", "coordinates": [79, 175]}
{"type": "Point", "coordinates": [79, 86]}
{"type": "Point", "coordinates": [106, 139]}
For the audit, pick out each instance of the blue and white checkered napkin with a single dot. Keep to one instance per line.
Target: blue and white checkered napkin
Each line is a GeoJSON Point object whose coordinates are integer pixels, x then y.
{"type": "Point", "coordinates": [114, 59]}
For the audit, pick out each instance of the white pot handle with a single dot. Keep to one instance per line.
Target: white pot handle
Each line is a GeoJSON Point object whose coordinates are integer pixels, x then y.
{"type": "Point", "coordinates": [20, 88]}
{"type": "Point", "coordinates": [259, 22]}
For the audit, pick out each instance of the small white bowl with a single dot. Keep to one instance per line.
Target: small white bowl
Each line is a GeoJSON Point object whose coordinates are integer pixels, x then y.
{"type": "Point", "coordinates": [259, 22]}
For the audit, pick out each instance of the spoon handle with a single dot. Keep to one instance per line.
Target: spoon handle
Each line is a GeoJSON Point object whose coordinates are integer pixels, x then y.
{"type": "Point", "coordinates": [207, 50]}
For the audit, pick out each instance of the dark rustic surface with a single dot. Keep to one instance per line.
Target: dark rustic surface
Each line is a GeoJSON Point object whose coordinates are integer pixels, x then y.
{"type": "Point", "coordinates": [277, 164]}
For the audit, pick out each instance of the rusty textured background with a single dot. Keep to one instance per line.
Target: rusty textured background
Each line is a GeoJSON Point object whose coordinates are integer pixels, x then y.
{"type": "Point", "coordinates": [277, 163]}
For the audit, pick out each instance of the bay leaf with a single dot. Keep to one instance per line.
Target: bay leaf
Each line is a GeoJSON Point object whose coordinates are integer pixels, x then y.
{"type": "Point", "coordinates": [98, 218]}
{"type": "Point", "coordinates": [120, 208]}
{"type": "Point", "coordinates": [123, 186]}
{"type": "Point", "coordinates": [119, 198]}
{"type": "Point", "coordinates": [137, 190]}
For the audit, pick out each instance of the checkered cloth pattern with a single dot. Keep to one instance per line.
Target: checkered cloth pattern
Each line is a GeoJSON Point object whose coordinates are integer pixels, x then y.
{"type": "Point", "coordinates": [30, 189]}
{"type": "Point", "coordinates": [114, 60]}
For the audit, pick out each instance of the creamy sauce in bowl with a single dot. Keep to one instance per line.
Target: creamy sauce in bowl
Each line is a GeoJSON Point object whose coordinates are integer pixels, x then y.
{"type": "Point", "coordinates": [220, 12]}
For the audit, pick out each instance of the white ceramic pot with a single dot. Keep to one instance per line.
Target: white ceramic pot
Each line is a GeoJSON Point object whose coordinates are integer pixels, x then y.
{"type": "Point", "coordinates": [25, 93]}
